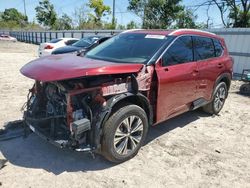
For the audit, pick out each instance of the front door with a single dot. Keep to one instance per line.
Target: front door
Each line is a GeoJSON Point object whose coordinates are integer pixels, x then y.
{"type": "Point", "coordinates": [177, 77]}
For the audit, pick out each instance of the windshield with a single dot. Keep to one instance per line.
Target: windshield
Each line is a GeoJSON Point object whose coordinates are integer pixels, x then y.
{"type": "Point", "coordinates": [128, 48]}
{"type": "Point", "coordinates": [85, 42]}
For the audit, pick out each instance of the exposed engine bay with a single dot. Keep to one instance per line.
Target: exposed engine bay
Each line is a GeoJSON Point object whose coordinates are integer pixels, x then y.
{"type": "Point", "coordinates": [47, 109]}
{"type": "Point", "coordinates": [70, 113]}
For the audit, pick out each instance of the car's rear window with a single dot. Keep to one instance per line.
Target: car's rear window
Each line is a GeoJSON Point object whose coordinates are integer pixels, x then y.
{"type": "Point", "coordinates": [128, 48]}
{"type": "Point", "coordinates": [55, 40]}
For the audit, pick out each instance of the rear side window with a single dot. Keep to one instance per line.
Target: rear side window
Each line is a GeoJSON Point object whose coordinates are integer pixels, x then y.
{"type": "Point", "coordinates": [103, 39]}
{"type": "Point", "coordinates": [55, 40]}
{"type": "Point", "coordinates": [70, 42]}
{"type": "Point", "coordinates": [218, 48]}
{"type": "Point", "coordinates": [203, 48]}
{"type": "Point", "coordinates": [179, 52]}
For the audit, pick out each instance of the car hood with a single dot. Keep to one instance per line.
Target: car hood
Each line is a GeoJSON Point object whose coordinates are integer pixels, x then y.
{"type": "Point", "coordinates": [68, 66]}
{"type": "Point", "coordinates": [66, 49]}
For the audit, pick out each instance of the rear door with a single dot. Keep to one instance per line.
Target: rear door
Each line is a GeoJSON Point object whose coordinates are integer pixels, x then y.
{"type": "Point", "coordinates": [207, 52]}
{"type": "Point", "coordinates": [177, 74]}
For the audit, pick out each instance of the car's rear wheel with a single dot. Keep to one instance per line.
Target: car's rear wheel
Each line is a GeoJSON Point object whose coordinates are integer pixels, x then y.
{"type": "Point", "coordinates": [124, 133]}
{"type": "Point", "coordinates": [219, 97]}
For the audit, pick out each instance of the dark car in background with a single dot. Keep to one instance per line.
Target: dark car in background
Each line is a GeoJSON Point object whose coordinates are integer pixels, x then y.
{"type": "Point", "coordinates": [82, 46]}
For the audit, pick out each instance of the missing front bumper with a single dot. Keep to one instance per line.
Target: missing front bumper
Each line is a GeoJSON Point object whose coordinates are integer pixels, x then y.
{"type": "Point", "coordinates": [58, 143]}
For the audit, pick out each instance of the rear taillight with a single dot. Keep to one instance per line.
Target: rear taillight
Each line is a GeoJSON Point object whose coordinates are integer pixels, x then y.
{"type": "Point", "coordinates": [48, 47]}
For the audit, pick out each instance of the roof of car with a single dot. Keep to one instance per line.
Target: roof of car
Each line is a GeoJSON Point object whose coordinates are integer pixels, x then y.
{"type": "Point", "coordinates": [147, 31]}
{"type": "Point", "coordinates": [65, 38]}
{"type": "Point", "coordinates": [176, 32]}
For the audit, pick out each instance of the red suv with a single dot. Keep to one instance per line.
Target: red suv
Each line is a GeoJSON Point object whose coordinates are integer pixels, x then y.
{"type": "Point", "coordinates": [107, 100]}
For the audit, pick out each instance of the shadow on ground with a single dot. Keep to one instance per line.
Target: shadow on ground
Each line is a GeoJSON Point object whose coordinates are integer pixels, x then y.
{"type": "Point", "coordinates": [34, 152]}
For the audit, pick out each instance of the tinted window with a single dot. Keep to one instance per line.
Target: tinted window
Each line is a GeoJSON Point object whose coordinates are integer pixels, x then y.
{"type": "Point", "coordinates": [86, 42]}
{"type": "Point", "coordinates": [179, 52]}
{"type": "Point", "coordinates": [128, 48]}
{"type": "Point", "coordinates": [69, 42]}
{"type": "Point", "coordinates": [218, 48]}
{"type": "Point", "coordinates": [203, 48]}
{"type": "Point", "coordinates": [103, 39]}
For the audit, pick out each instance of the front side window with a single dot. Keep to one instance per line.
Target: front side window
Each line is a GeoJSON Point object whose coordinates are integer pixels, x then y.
{"type": "Point", "coordinates": [181, 51]}
{"type": "Point", "coordinates": [128, 48]}
{"type": "Point", "coordinates": [203, 48]}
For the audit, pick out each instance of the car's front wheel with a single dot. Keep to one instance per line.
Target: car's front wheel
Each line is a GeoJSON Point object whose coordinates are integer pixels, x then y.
{"type": "Point", "coordinates": [124, 133]}
{"type": "Point", "coordinates": [219, 98]}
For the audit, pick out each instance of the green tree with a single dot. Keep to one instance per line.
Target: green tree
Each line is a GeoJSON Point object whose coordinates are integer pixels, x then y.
{"type": "Point", "coordinates": [64, 23]}
{"type": "Point", "coordinates": [186, 19]}
{"type": "Point", "coordinates": [121, 27]}
{"type": "Point", "coordinates": [233, 13]}
{"type": "Point", "coordinates": [14, 18]}
{"type": "Point", "coordinates": [45, 14]}
{"type": "Point", "coordinates": [80, 17]}
{"type": "Point", "coordinates": [156, 13]}
{"type": "Point", "coordinates": [132, 25]}
{"type": "Point", "coordinates": [100, 10]}
{"type": "Point", "coordinates": [108, 25]}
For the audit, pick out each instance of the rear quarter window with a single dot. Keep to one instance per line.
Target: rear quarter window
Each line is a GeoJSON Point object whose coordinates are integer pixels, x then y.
{"type": "Point", "coordinates": [218, 48]}
{"type": "Point", "coordinates": [203, 48]}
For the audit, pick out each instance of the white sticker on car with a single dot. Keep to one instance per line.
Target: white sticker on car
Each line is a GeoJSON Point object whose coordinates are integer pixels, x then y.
{"type": "Point", "coordinates": [155, 36]}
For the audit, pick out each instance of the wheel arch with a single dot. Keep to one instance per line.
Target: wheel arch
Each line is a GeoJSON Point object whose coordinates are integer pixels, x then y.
{"type": "Point", "coordinates": [112, 104]}
{"type": "Point", "coordinates": [137, 99]}
{"type": "Point", "coordinates": [225, 77]}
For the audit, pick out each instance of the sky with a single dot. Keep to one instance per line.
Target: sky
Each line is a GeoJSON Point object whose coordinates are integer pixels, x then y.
{"type": "Point", "coordinates": [123, 16]}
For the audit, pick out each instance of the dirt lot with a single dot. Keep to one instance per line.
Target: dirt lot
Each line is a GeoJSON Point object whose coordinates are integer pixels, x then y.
{"type": "Point", "coordinates": [192, 150]}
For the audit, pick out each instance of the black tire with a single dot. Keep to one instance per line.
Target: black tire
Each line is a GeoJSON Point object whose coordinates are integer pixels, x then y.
{"type": "Point", "coordinates": [245, 89]}
{"type": "Point", "coordinates": [215, 106]}
{"type": "Point", "coordinates": [115, 125]}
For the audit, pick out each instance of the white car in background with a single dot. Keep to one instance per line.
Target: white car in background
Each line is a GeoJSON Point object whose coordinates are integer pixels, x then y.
{"type": "Point", "coordinates": [47, 47]}
{"type": "Point", "coordinates": [7, 38]}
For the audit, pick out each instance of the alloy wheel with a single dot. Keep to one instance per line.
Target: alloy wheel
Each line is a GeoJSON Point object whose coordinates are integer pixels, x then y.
{"type": "Point", "coordinates": [128, 135]}
{"type": "Point", "coordinates": [220, 97]}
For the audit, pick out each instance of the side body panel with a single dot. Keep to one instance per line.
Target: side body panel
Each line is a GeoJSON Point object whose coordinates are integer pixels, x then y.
{"type": "Point", "coordinates": [210, 70]}
{"type": "Point", "coordinates": [176, 89]}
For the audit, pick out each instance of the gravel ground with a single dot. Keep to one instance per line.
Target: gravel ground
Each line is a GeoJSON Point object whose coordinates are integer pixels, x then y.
{"type": "Point", "coordinates": [191, 150]}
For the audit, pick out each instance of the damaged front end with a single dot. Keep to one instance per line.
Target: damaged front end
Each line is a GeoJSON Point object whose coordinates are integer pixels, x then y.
{"type": "Point", "coordinates": [70, 113]}
{"type": "Point", "coordinates": [59, 115]}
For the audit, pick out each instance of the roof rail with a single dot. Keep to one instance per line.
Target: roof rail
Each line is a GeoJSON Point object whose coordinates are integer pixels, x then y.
{"type": "Point", "coordinates": [195, 30]}
{"type": "Point", "coordinates": [132, 30]}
